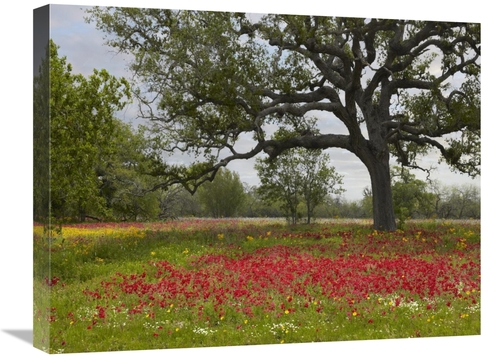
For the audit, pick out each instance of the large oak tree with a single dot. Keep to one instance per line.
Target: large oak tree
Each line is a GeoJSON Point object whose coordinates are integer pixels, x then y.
{"type": "Point", "coordinates": [209, 79]}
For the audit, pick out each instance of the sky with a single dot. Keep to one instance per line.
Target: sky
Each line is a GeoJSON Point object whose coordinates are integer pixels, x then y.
{"type": "Point", "coordinates": [17, 163]}
{"type": "Point", "coordinates": [84, 48]}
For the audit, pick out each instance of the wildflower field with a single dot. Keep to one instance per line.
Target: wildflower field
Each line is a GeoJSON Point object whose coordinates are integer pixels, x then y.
{"type": "Point", "coordinates": [206, 283]}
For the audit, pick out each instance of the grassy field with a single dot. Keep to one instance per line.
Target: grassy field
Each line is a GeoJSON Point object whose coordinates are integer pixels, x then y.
{"type": "Point", "coordinates": [203, 283]}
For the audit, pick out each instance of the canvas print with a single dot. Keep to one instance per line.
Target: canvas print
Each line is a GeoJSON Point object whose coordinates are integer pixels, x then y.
{"type": "Point", "coordinates": [213, 179]}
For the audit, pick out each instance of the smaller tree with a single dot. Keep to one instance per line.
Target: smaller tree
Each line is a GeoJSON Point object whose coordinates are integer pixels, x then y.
{"type": "Point", "coordinates": [224, 196]}
{"type": "Point", "coordinates": [330, 207]}
{"type": "Point", "coordinates": [297, 175]}
{"type": "Point", "coordinates": [124, 182]}
{"type": "Point", "coordinates": [256, 206]}
{"type": "Point", "coordinates": [366, 203]}
{"type": "Point", "coordinates": [319, 179]}
{"type": "Point", "coordinates": [81, 125]}
{"type": "Point", "coordinates": [176, 202]}
{"type": "Point", "coordinates": [280, 182]}
{"type": "Point", "coordinates": [411, 196]}
{"type": "Point", "coordinates": [457, 201]}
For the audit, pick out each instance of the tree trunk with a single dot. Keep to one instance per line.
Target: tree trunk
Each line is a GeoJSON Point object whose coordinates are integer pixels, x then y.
{"type": "Point", "coordinates": [82, 214]}
{"type": "Point", "coordinates": [384, 218]}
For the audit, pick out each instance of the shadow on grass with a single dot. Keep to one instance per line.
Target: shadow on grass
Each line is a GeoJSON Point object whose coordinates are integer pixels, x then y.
{"type": "Point", "coordinates": [25, 335]}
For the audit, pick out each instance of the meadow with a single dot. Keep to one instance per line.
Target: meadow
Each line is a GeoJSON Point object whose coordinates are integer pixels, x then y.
{"type": "Point", "coordinates": [227, 282]}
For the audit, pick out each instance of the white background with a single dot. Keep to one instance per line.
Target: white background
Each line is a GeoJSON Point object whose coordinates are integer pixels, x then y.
{"type": "Point", "coordinates": [16, 180]}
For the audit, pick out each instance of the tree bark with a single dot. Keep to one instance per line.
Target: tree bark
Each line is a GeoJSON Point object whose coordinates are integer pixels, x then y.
{"type": "Point", "coordinates": [378, 167]}
{"type": "Point", "coordinates": [383, 209]}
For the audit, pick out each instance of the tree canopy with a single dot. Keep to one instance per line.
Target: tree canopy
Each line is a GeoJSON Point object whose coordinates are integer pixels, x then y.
{"type": "Point", "coordinates": [298, 175]}
{"type": "Point", "coordinates": [224, 196]}
{"type": "Point", "coordinates": [208, 80]}
{"type": "Point", "coordinates": [81, 124]}
{"type": "Point", "coordinates": [122, 182]}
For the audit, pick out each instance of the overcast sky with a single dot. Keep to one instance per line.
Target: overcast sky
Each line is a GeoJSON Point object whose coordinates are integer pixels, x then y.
{"type": "Point", "coordinates": [83, 46]}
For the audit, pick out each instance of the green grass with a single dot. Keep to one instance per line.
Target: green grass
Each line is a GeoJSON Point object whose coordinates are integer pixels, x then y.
{"type": "Point", "coordinates": [87, 312]}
